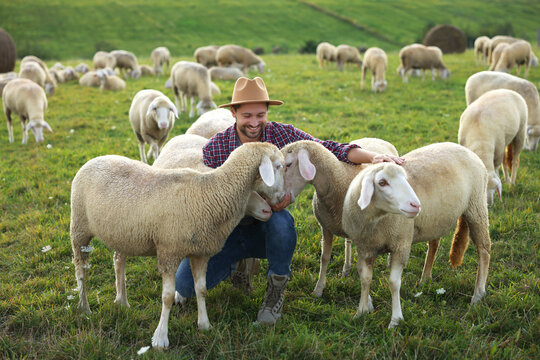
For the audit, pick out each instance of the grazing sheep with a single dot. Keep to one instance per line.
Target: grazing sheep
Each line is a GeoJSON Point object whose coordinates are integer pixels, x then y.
{"type": "Point", "coordinates": [152, 118]}
{"type": "Point", "coordinates": [103, 59]}
{"type": "Point", "coordinates": [381, 213]}
{"type": "Point", "coordinates": [375, 60]}
{"type": "Point", "coordinates": [328, 200]}
{"type": "Point", "coordinates": [228, 55]}
{"type": "Point", "coordinates": [32, 71]}
{"type": "Point", "coordinates": [82, 68]}
{"type": "Point", "coordinates": [225, 73]}
{"type": "Point", "coordinates": [326, 53]}
{"type": "Point", "coordinates": [3, 83]}
{"type": "Point", "coordinates": [484, 81]}
{"type": "Point", "coordinates": [422, 57]}
{"type": "Point", "coordinates": [127, 63]}
{"type": "Point", "coordinates": [481, 43]}
{"type": "Point", "coordinates": [496, 55]}
{"type": "Point", "coordinates": [515, 54]}
{"type": "Point", "coordinates": [206, 55]}
{"type": "Point", "coordinates": [160, 57]}
{"type": "Point", "coordinates": [63, 75]}
{"type": "Point", "coordinates": [168, 213]}
{"type": "Point", "coordinates": [50, 83]}
{"type": "Point", "coordinates": [28, 100]}
{"type": "Point", "coordinates": [496, 40]}
{"type": "Point", "coordinates": [493, 127]}
{"type": "Point", "coordinates": [214, 89]}
{"type": "Point", "coordinates": [110, 82]}
{"type": "Point", "coordinates": [211, 122]}
{"type": "Point", "coordinates": [347, 54]}
{"type": "Point", "coordinates": [90, 78]}
{"type": "Point", "coordinates": [192, 80]}
{"type": "Point", "coordinates": [146, 70]}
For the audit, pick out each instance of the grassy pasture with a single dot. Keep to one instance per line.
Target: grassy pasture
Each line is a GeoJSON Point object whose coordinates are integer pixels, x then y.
{"type": "Point", "coordinates": [38, 309]}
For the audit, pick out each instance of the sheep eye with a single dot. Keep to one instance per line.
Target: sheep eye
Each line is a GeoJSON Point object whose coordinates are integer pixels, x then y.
{"type": "Point", "coordinates": [278, 167]}
{"type": "Point", "coordinates": [383, 182]}
{"type": "Point", "coordinates": [288, 164]}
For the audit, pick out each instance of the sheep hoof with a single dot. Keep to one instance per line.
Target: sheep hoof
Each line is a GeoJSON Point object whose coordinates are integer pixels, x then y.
{"type": "Point", "coordinates": [477, 297]}
{"type": "Point", "coordinates": [160, 343]}
{"type": "Point", "coordinates": [346, 272]}
{"type": "Point", "coordinates": [205, 326]}
{"type": "Point", "coordinates": [122, 302]}
{"type": "Point", "coordinates": [318, 291]}
{"type": "Point", "coordinates": [394, 323]}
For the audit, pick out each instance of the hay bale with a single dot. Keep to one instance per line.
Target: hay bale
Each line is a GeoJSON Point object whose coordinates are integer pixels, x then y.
{"type": "Point", "coordinates": [448, 38]}
{"type": "Point", "coordinates": [8, 52]}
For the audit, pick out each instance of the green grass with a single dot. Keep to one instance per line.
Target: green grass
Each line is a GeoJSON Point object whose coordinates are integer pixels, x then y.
{"type": "Point", "coordinates": [39, 318]}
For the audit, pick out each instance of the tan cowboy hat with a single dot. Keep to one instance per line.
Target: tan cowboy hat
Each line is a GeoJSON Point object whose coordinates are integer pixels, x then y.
{"type": "Point", "coordinates": [250, 91]}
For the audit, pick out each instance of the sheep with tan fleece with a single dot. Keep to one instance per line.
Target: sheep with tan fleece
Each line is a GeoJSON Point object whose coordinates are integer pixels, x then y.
{"type": "Point", "coordinates": [225, 73]}
{"type": "Point", "coordinates": [110, 82]}
{"type": "Point", "coordinates": [161, 57]}
{"type": "Point", "coordinates": [376, 62]}
{"type": "Point", "coordinates": [326, 53]}
{"type": "Point", "coordinates": [481, 44]}
{"type": "Point", "coordinates": [49, 83]}
{"type": "Point", "coordinates": [346, 54]}
{"type": "Point", "coordinates": [496, 55]}
{"type": "Point", "coordinates": [192, 80]}
{"type": "Point", "coordinates": [103, 59]}
{"type": "Point", "coordinates": [228, 55]}
{"type": "Point", "coordinates": [206, 55]}
{"type": "Point", "coordinates": [422, 57]}
{"type": "Point", "coordinates": [211, 122]}
{"type": "Point", "coordinates": [515, 55]}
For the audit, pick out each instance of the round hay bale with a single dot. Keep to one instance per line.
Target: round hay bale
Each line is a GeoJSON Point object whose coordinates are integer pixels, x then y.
{"type": "Point", "coordinates": [8, 52]}
{"type": "Point", "coordinates": [448, 38]}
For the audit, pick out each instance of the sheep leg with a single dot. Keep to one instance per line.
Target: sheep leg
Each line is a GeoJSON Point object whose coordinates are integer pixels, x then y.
{"type": "Point", "coordinates": [24, 131]}
{"type": "Point", "coordinates": [364, 69]}
{"type": "Point", "coordinates": [192, 108]}
{"type": "Point", "coordinates": [160, 339]}
{"type": "Point", "coordinates": [80, 260]}
{"type": "Point", "coordinates": [348, 255]}
{"type": "Point", "coordinates": [153, 151]}
{"type": "Point", "coordinates": [507, 162]}
{"type": "Point", "coordinates": [176, 100]}
{"type": "Point", "coordinates": [394, 281]}
{"type": "Point", "coordinates": [198, 268]}
{"type": "Point", "coordinates": [433, 246]}
{"type": "Point", "coordinates": [479, 234]}
{"type": "Point", "coordinates": [404, 75]}
{"type": "Point", "coordinates": [527, 64]}
{"type": "Point", "coordinates": [9, 124]}
{"type": "Point", "coordinates": [365, 270]}
{"type": "Point", "coordinates": [326, 252]}
{"type": "Point", "coordinates": [184, 102]}
{"type": "Point", "coordinates": [142, 152]}
{"type": "Point", "coordinates": [120, 273]}
{"type": "Point", "coordinates": [517, 144]}
{"type": "Point", "coordinates": [432, 74]}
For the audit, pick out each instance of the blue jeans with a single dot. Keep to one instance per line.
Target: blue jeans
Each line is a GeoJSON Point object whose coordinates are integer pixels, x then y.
{"type": "Point", "coordinates": [274, 240]}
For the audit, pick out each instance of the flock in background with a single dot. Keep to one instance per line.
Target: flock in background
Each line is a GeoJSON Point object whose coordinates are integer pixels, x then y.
{"type": "Point", "coordinates": [502, 117]}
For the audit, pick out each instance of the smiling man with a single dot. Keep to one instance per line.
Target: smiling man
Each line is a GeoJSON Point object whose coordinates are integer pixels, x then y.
{"type": "Point", "coordinates": [275, 239]}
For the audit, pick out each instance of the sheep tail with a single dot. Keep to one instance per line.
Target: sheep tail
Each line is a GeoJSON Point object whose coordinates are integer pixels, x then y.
{"type": "Point", "coordinates": [460, 242]}
{"type": "Point", "coordinates": [509, 155]}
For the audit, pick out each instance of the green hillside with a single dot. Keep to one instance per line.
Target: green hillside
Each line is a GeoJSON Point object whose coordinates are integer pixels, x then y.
{"type": "Point", "coordinates": [62, 29]}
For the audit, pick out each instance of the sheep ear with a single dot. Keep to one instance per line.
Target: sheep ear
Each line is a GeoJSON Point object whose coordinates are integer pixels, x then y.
{"type": "Point", "coordinates": [47, 126]}
{"type": "Point", "coordinates": [266, 171]}
{"type": "Point", "coordinates": [366, 192]}
{"type": "Point", "coordinates": [174, 110]}
{"type": "Point", "coordinates": [307, 169]}
{"type": "Point", "coordinates": [498, 188]}
{"type": "Point", "coordinates": [28, 126]}
{"type": "Point", "coordinates": [151, 108]}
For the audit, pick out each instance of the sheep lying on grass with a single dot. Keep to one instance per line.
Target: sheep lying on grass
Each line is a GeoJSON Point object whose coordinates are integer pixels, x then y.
{"type": "Point", "coordinates": [90, 78]}
{"type": "Point", "coordinates": [138, 210]}
{"type": "Point", "coordinates": [484, 81]}
{"type": "Point", "coordinates": [28, 100]}
{"type": "Point", "coordinates": [206, 55]}
{"type": "Point", "coordinates": [160, 57]}
{"type": "Point", "coordinates": [228, 55]}
{"type": "Point", "coordinates": [192, 80]}
{"type": "Point", "coordinates": [225, 73]}
{"type": "Point", "coordinates": [375, 60]}
{"type": "Point", "coordinates": [381, 213]}
{"type": "Point", "coordinates": [110, 82]}
{"type": "Point", "coordinates": [152, 118]}
{"type": "Point", "coordinates": [326, 53]}
{"type": "Point", "coordinates": [493, 127]}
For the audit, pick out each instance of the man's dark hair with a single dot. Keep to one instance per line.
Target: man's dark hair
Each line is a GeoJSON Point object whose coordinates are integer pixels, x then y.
{"type": "Point", "coordinates": [237, 106]}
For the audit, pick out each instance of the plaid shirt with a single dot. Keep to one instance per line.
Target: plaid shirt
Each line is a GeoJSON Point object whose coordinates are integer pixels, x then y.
{"type": "Point", "coordinates": [220, 146]}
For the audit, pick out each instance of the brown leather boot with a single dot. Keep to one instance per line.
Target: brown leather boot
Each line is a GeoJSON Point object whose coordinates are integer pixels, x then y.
{"type": "Point", "coordinates": [242, 277]}
{"type": "Point", "coordinates": [270, 310]}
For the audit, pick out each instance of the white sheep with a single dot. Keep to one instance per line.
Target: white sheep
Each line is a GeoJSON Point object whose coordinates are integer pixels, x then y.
{"type": "Point", "coordinates": [376, 62]}
{"type": "Point", "coordinates": [496, 55]}
{"type": "Point", "coordinates": [103, 59]}
{"type": "Point", "coordinates": [346, 54]}
{"type": "Point", "coordinates": [49, 83]}
{"type": "Point", "coordinates": [110, 82]}
{"type": "Point", "coordinates": [323, 168]}
{"type": "Point", "coordinates": [160, 57]}
{"type": "Point", "coordinates": [206, 55]}
{"type": "Point", "coordinates": [483, 81]}
{"type": "Point", "coordinates": [138, 210]}
{"type": "Point", "coordinates": [127, 63]}
{"type": "Point", "coordinates": [28, 100]}
{"type": "Point", "coordinates": [63, 75]}
{"type": "Point", "coordinates": [82, 68]}
{"type": "Point", "coordinates": [146, 70]}
{"type": "Point", "coordinates": [211, 122]}
{"type": "Point", "coordinates": [481, 44]}
{"type": "Point", "coordinates": [516, 54]}
{"type": "Point", "coordinates": [225, 73]}
{"type": "Point", "coordinates": [152, 117]}
{"type": "Point", "coordinates": [326, 53]}
{"type": "Point", "coordinates": [32, 71]}
{"type": "Point", "coordinates": [192, 80]}
{"type": "Point", "coordinates": [381, 213]}
{"type": "Point", "coordinates": [496, 40]}
{"type": "Point", "coordinates": [90, 78]}
{"type": "Point", "coordinates": [417, 56]}
{"type": "Point", "coordinates": [227, 55]}
{"type": "Point", "coordinates": [493, 127]}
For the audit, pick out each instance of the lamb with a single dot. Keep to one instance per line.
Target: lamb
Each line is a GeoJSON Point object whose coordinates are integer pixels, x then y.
{"type": "Point", "coordinates": [146, 70]}
{"type": "Point", "coordinates": [49, 83]}
{"type": "Point", "coordinates": [496, 40]}
{"type": "Point", "coordinates": [160, 57]}
{"type": "Point", "coordinates": [225, 73]}
{"type": "Point", "coordinates": [481, 43]}
{"type": "Point", "coordinates": [347, 54]}
{"type": "Point", "coordinates": [206, 55]}
{"type": "Point", "coordinates": [381, 213]}
{"type": "Point", "coordinates": [192, 80]}
{"type": "Point", "coordinates": [228, 55]}
{"type": "Point", "coordinates": [28, 100]}
{"type": "Point", "coordinates": [127, 63]}
{"type": "Point", "coordinates": [326, 53]}
{"type": "Point", "coordinates": [327, 200]}
{"type": "Point", "coordinates": [516, 54]}
{"type": "Point", "coordinates": [496, 55]}
{"type": "Point", "coordinates": [152, 117]}
{"type": "Point", "coordinates": [422, 57]}
{"type": "Point", "coordinates": [211, 122]}
{"type": "Point", "coordinates": [110, 82]}
{"type": "Point", "coordinates": [484, 81]}
{"type": "Point", "coordinates": [171, 214]}
{"type": "Point", "coordinates": [90, 78]}
{"type": "Point", "coordinates": [375, 60]}
{"type": "Point", "coordinates": [103, 59]}
{"type": "Point", "coordinates": [493, 126]}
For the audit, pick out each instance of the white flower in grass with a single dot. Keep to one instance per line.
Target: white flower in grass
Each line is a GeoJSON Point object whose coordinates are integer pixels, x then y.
{"type": "Point", "coordinates": [87, 266]}
{"type": "Point", "coordinates": [46, 248]}
{"type": "Point", "coordinates": [50, 197]}
{"type": "Point", "coordinates": [49, 146]}
{"type": "Point", "coordinates": [113, 127]}
{"type": "Point", "coordinates": [75, 290]}
{"type": "Point", "coordinates": [441, 291]}
{"type": "Point", "coordinates": [418, 294]}
{"type": "Point", "coordinates": [72, 131]}
{"type": "Point", "coordinates": [70, 297]}
{"type": "Point", "coordinates": [143, 350]}
{"type": "Point", "coordinates": [87, 249]}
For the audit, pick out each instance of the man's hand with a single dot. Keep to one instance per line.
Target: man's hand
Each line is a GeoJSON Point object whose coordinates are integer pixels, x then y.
{"type": "Point", "coordinates": [388, 158]}
{"type": "Point", "coordinates": [282, 204]}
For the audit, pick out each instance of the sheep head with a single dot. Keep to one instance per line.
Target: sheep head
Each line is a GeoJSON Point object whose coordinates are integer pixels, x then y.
{"type": "Point", "coordinates": [299, 170]}
{"type": "Point", "coordinates": [37, 129]}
